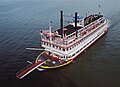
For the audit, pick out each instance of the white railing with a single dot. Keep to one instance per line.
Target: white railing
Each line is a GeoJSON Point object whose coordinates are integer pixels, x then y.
{"type": "Point", "coordinates": [72, 36]}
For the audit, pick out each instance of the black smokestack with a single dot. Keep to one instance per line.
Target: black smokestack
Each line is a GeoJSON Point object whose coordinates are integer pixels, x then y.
{"type": "Point", "coordinates": [61, 22]}
{"type": "Point", "coordinates": [76, 23]}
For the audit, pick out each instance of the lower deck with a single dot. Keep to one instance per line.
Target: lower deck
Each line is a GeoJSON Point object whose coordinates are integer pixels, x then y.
{"type": "Point", "coordinates": [51, 62]}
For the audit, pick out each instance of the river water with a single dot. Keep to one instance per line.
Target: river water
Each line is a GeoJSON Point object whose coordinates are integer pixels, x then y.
{"type": "Point", "coordinates": [20, 24]}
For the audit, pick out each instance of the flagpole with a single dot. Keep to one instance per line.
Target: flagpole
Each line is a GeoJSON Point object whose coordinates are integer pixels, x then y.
{"type": "Point", "coordinates": [99, 9]}
{"type": "Point", "coordinates": [50, 30]}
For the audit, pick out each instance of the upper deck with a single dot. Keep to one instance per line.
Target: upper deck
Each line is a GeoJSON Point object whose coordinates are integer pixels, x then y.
{"type": "Point", "coordinates": [55, 38]}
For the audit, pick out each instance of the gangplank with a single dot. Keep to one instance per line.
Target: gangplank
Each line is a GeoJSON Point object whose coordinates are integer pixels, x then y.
{"type": "Point", "coordinates": [28, 69]}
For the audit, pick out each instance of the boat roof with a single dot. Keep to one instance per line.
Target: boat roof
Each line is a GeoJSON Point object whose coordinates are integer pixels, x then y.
{"type": "Point", "coordinates": [91, 18]}
{"type": "Point", "coordinates": [68, 29]}
{"type": "Point", "coordinates": [87, 20]}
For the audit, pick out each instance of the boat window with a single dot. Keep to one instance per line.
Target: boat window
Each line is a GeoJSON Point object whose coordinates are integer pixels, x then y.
{"type": "Point", "coordinates": [67, 49]}
{"type": "Point", "coordinates": [73, 54]}
{"type": "Point", "coordinates": [48, 44]}
{"type": "Point", "coordinates": [63, 49]}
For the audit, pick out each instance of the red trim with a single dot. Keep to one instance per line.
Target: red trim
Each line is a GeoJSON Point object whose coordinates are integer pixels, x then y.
{"type": "Point", "coordinates": [91, 44]}
{"type": "Point", "coordinates": [54, 58]}
{"type": "Point", "coordinates": [77, 41]}
{"type": "Point", "coordinates": [106, 30]}
{"type": "Point", "coordinates": [89, 34]}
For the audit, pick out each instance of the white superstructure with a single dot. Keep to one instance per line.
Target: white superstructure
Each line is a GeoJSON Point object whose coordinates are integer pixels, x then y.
{"type": "Point", "coordinates": [73, 43]}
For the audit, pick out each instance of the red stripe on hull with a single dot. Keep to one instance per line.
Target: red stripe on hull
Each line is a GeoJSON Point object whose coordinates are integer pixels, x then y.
{"type": "Point", "coordinates": [54, 58]}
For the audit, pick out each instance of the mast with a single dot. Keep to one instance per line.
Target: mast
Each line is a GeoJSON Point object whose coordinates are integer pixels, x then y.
{"type": "Point", "coordinates": [50, 30]}
{"type": "Point", "coordinates": [61, 23]}
{"type": "Point", "coordinates": [76, 24]}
